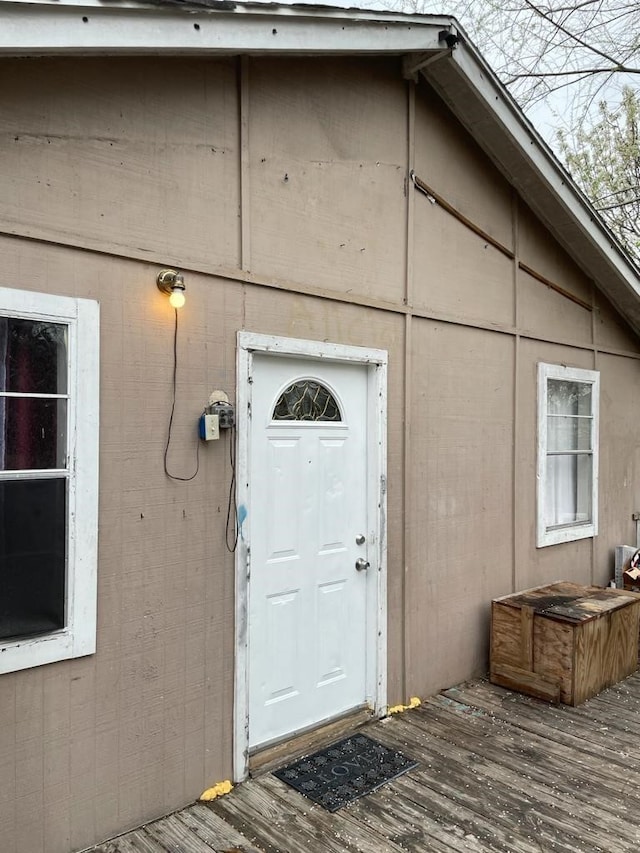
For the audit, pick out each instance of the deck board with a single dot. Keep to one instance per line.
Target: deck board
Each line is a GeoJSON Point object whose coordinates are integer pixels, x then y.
{"type": "Point", "coordinates": [518, 803]}
{"type": "Point", "coordinates": [578, 734]}
{"type": "Point", "coordinates": [214, 830]}
{"type": "Point", "coordinates": [499, 772]}
{"type": "Point", "coordinates": [531, 754]}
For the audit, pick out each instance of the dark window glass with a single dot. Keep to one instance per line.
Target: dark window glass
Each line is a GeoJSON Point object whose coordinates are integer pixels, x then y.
{"type": "Point", "coordinates": [32, 557]}
{"type": "Point", "coordinates": [306, 401]}
{"type": "Point", "coordinates": [33, 356]}
{"type": "Point", "coordinates": [32, 433]}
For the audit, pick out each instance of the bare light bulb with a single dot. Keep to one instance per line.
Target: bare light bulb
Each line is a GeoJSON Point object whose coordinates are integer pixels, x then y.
{"type": "Point", "coordinates": [177, 297]}
{"type": "Point", "coordinates": [172, 284]}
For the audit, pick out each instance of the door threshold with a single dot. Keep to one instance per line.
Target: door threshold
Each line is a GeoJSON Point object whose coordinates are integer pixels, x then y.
{"type": "Point", "coordinates": [271, 756]}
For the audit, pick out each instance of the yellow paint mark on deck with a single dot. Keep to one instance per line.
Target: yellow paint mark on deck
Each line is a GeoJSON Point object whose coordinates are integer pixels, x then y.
{"type": "Point", "coordinates": [414, 702]}
{"type": "Point", "coordinates": [217, 790]}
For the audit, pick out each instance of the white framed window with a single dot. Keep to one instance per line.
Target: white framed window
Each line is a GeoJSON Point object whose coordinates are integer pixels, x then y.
{"type": "Point", "coordinates": [49, 396]}
{"type": "Point", "coordinates": [568, 403]}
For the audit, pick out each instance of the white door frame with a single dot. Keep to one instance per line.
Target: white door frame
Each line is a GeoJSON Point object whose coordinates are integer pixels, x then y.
{"type": "Point", "coordinates": [376, 360]}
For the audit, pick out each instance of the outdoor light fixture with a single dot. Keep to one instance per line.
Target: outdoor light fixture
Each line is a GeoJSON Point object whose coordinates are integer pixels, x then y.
{"type": "Point", "coordinates": [172, 283]}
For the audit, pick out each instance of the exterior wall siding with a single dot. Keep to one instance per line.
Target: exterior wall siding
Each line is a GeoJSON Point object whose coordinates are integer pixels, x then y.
{"type": "Point", "coordinates": [327, 200]}
{"type": "Point", "coordinates": [459, 523]}
{"type": "Point", "coordinates": [572, 560]}
{"type": "Point", "coordinates": [281, 189]}
{"type": "Point", "coordinates": [619, 459]}
{"type": "Point", "coordinates": [130, 156]}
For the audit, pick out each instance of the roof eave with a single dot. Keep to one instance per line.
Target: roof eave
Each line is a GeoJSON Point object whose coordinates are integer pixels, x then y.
{"type": "Point", "coordinates": [86, 29]}
{"type": "Point", "coordinates": [461, 77]}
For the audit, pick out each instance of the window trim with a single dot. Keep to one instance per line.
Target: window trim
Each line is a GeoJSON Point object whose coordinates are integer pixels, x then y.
{"type": "Point", "coordinates": [580, 530]}
{"type": "Point", "coordinates": [78, 638]}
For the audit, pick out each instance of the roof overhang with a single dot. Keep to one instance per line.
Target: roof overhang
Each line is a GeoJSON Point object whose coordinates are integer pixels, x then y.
{"type": "Point", "coordinates": [460, 76]}
{"type": "Point", "coordinates": [173, 27]}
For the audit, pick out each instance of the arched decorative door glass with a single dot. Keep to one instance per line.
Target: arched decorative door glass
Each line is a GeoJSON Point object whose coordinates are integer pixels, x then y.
{"type": "Point", "coordinates": [306, 400]}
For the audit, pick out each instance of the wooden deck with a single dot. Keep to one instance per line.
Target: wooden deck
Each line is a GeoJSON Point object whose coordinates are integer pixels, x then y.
{"type": "Point", "coordinates": [498, 772]}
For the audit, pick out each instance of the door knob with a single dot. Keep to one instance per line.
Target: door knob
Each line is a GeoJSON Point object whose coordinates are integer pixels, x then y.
{"type": "Point", "coordinates": [360, 539]}
{"type": "Point", "coordinates": [361, 564]}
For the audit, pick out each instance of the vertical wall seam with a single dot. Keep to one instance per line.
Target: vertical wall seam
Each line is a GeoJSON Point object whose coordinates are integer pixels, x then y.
{"type": "Point", "coordinates": [516, 367]}
{"type": "Point", "coordinates": [596, 361]}
{"type": "Point", "coordinates": [406, 645]}
{"type": "Point", "coordinates": [411, 150]}
{"type": "Point", "coordinates": [594, 333]}
{"type": "Point", "coordinates": [408, 296]}
{"type": "Point", "coordinates": [244, 304]}
{"type": "Point", "coordinates": [245, 166]}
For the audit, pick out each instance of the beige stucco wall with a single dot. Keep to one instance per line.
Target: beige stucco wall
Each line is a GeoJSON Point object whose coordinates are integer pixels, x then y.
{"type": "Point", "coordinates": [281, 189]}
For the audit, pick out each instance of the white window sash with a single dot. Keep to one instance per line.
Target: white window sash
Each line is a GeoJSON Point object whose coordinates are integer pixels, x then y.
{"type": "Point", "coordinates": [78, 638]}
{"type": "Point", "coordinates": [573, 530]}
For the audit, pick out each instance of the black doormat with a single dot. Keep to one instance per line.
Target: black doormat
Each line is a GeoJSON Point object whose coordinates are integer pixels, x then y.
{"type": "Point", "coordinates": [345, 771]}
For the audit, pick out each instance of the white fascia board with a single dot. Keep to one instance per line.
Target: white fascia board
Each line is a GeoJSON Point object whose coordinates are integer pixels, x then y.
{"type": "Point", "coordinates": [531, 148]}
{"type": "Point", "coordinates": [40, 28]}
{"type": "Point", "coordinates": [85, 4]}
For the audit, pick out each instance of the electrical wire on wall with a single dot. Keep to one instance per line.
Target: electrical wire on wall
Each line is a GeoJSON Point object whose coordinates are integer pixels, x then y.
{"type": "Point", "coordinates": [173, 409]}
{"type": "Point", "coordinates": [232, 528]}
{"type": "Point", "coordinates": [232, 504]}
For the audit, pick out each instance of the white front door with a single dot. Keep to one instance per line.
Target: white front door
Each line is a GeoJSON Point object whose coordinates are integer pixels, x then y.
{"type": "Point", "coordinates": [308, 602]}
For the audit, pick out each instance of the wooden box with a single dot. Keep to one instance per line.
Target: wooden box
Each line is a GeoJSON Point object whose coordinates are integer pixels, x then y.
{"type": "Point", "coordinates": [564, 642]}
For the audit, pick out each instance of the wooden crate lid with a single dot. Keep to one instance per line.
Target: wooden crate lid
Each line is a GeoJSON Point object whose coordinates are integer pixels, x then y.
{"type": "Point", "coordinates": [570, 602]}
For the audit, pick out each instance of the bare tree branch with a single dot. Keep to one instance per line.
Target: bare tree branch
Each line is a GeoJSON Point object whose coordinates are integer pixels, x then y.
{"type": "Point", "coordinates": [605, 161]}
{"type": "Point", "coordinates": [570, 35]}
{"type": "Point", "coordinates": [577, 73]}
{"type": "Point", "coordinates": [618, 205]}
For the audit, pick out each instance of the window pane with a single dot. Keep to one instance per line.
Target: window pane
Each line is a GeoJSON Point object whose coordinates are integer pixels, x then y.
{"type": "Point", "coordinates": [568, 495]}
{"type": "Point", "coordinates": [566, 433]}
{"type": "Point", "coordinates": [33, 356]}
{"type": "Point", "coordinates": [568, 398]}
{"type": "Point", "coordinates": [33, 433]}
{"type": "Point", "coordinates": [32, 556]}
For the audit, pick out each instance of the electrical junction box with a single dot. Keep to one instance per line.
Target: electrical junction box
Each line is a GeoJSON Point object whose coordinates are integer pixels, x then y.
{"type": "Point", "coordinates": [219, 405]}
{"type": "Point", "coordinates": [209, 427]}
{"type": "Point", "coordinates": [225, 414]}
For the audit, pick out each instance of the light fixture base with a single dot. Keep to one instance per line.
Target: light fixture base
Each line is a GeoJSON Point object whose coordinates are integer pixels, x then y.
{"type": "Point", "coordinates": [168, 280]}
